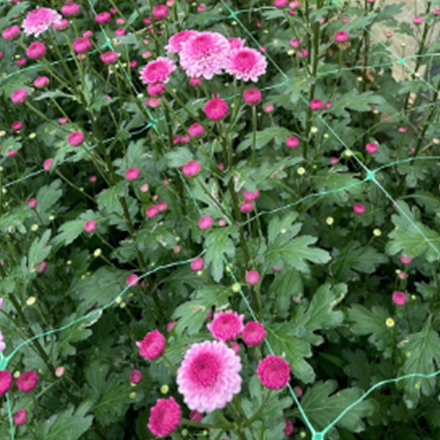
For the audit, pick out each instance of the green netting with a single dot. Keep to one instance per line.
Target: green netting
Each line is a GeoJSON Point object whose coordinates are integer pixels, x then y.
{"type": "Point", "coordinates": [369, 176]}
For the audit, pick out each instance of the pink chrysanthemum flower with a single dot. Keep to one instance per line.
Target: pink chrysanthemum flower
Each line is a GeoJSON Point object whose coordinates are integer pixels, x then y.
{"type": "Point", "coordinates": [371, 148]}
{"type": "Point", "coordinates": [11, 33]}
{"type": "Point", "coordinates": [316, 104]}
{"type": "Point", "coordinates": [152, 346]}
{"type": "Point", "coordinates": [288, 428]}
{"type": "Point", "coordinates": [405, 260]}
{"type": "Point", "coordinates": [208, 376]}
{"type": "Point", "coordinates": [132, 280]}
{"type": "Point", "coordinates": [70, 9]}
{"type": "Point", "coordinates": [226, 325]}
{"type": "Point", "coordinates": [47, 164]}
{"type": "Point", "coordinates": [103, 17]}
{"type": "Point", "coordinates": [196, 130]}
{"type": "Point", "coordinates": [341, 36]}
{"type": "Point", "coordinates": [109, 57]}
{"type": "Point", "coordinates": [32, 203]}
{"type": "Point", "coordinates": [246, 207]}
{"type": "Point", "coordinates": [36, 50]}
{"type": "Point", "coordinates": [90, 226]}
{"type": "Point", "coordinates": [81, 45]}
{"type": "Point", "coordinates": [5, 382]}
{"type": "Point", "coordinates": [197, 264]}
{"type": "Point", "coordinates": [359, 208]}
{"type": "Point", "coordinates": [246, 63]}
{"type": "Point", "coordinates": [61, 25]}
{"type": "Point", "coordinates": [273, 372]}
{"type": "Point", "coordinates": [399, 298]}
{"type": "Point", "coordinates": [192, 168]}
{"type": "Point", "coordinates": [253, 333]}
{"type": "Point", "coordinates": [20, 417]}
{"type": "Point", "coordinates": [39, 20]}
{"type": "Point", "coordinates": [292, 142]}
{"type": "Point", "coordinates": [19, 96]}
{"type": "Point", "coordinates": [204, 54]}
{"type": "Point", "coordinates": [27, 381]}
{"type": "Point", "coordinates": [160, 11]}
{"type": "Point", "coordinates": [155, 89]}
{"type": "Point", "coordinates": [252, 96]}
{"type": "Point", "coordinates": [132, 173]}
{"type": "Point", "coordinates": [251, 196]}
{"type": "Point", "coordinates": [176, 42]}
{"type": "Point", "coordinates": [205, 222]}
{"type": "Point", "coordinates": [157, 71]}
{"type": "Point", "coordinates": [216, 109]}
{"type": "Point", "coordinates": [152, 211]}
{"type": "Point", "coordinates": [252, 277]}
{"type": "Point", "coordinates": [135, 376]}
{"type": "Point", "coordinates": [165, 417]}
{"type": "Point", "coordinates": [76, 138]}
{"type": "Point", "coordinates": [236, 43]}
{"type": "Point", "coordinates": [41, 82]}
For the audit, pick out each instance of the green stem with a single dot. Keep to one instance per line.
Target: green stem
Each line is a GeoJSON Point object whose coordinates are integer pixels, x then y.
{"type": "Point", "coordinates": [254, 133]}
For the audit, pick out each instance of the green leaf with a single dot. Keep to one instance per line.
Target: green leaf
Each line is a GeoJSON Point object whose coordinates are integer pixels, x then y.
{"type": "Point", "coordinates": [178, 157]}
{"type": "Point", "coordinates": [366, 322]}
{"type": "Point", "coordinates": [422, 352]}
{"type": "Point", "coordinates": [191, 315]}
{"type": "Point", "coordinates": [294, 340]}
{"type": "Point", "coordinates": [264, 137]}
{"type": "Point", "coordinates": [322, 408]}
{"type": "Point", "coordinates": [354, 100]}
{"type": "Point", "coordinates": [65, 426]}
{"type": "Point", "coordinates": [286, 285]}
{"type": "Point", "coordinates": [112, 403]}
{"type": "Point", "coordinates": [47, 197]}
{"type": "Point", "coordinates": [38, 250]}
{"type": "Point", "coordinates": [218, 244]}
{"type": "Point", "coordinates": [53, 94]}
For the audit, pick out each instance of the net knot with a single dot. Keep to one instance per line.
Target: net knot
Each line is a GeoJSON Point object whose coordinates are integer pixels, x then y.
{"type": "Point", "coordinates": [233, 14]}
{"type": "Point", "coordinates": [370, 175]}
{"type": "Point", "coordinates": [401, 60]}
{"type": "Point", "coordinates": [318, 436]}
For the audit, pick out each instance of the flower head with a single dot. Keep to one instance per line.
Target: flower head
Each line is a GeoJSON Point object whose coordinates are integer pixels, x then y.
{"type": "Point", "coordinates": [20, 417]}
{"type": "Point", "coordinates": [152, 346]}
{"type": "Point", "coordinates": [160, 11]}
{"type": "Point", "coordinates": [316, 104]}
{"type": "Point", "coordinates": [236, 43]}
{"type": "Point", "coordinates": [157, 71]}
{"type": "Point", "coordinates": [246, 63]}
{"type": "Point", "coordinates": [204, 54]}
{"type": "Point", "coordinates": [196, 130]}
{"type": "Point", "coordinates": [103, 17]}
{"type": "Point", "coordinates": [109, 57]}
{"type": "Point", "coordinates": [405, 260]}
{"type": "Point", "coordinates": [5, 382]}
{"type": "Point", "coordinates": [399, 298]}
{"type": "Point", "coordinates": [135, 376]}
{"type": "Point", "coordinates": [253, 333]}
{"type": "Point", "coordinates": [152, 211]}
{"type": "Point", "coordinates": [132, 280]}
{"type": "Point", "coordinates": [226, 325]}
{"type": "Point", "coordinates": [27, 381]}
{"type": "Point", "coordinates": [76, 138]}
{"type": "Point", "coordinates": [341, 36]}
{"type": "Point", "coordinates": [70, 9]}
{"type": "Point", "coordinates": [165, 417]}
{"type": "Point", "coordinates": [251, 196]}
{"type": "Point", "coordinates": [175, 43]}
{"type": "Point", "coordinates": [19, 96]}
{"type": "Point", "coordinates": [359, 208]}
{"type": "Point", "coordinates": [252, 277]}
{"type": "Point", "coordinates": [41, 82]}
{"type": "Point", "coordinates": [205, 222]}
{"type": "Point", "coordinates": [36, 50]}
{"type": "Point", "coordinates": [252, 96]}
{"type": "Point", "coordinates": [292, 142]}
{"type": "Point", "coordinates": [288, 429]}
{"type": "Point", "coordinates": [191, 168]}
{"type": "Point", "coordinates": [273, 372]}
{"type": "Point", "coordinates": [208, 376]}
{"type": "Point", "coordinates": [216, 109]}
{"type": "Point", "coordinates": [47, 164]}
{"type": "Point", "coordinates": [371, 148]}
{"type": "Point", "coordinates": [90, 226]}
{"type": "Point", "coordinates": [39, 20]}
{"type": "Point", "coordinates": [132, 173]}
{"type": "Point", "coordinates": [197, 264]}
{"type": "Point", "coordinates": [82, 45]}
{"type": "Point", "coordinates": [11, 33]}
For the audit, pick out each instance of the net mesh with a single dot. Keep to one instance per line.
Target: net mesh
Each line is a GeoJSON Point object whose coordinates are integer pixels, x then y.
{"type": "Point", "coordinates": [370, 176]}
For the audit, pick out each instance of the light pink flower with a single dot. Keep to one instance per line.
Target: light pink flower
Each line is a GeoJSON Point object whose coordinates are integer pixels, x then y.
{"type": "Point", "coordinates": [208, 376]}
{"type": "Point", "coordinates": [103, 17]}
{"type": "Point", "coordinates": [226, 325]}
{"type": "Point", "coordinates": [371, 148]}
{"type": "Point", "coordinates": [295, 42]}
{"type": "Point", "coordinates": [156, 89]}
{"type": "Point", "coordinates": [246, 206]}
{"type": "Point", "coordinates": [36, 50]}
{"type": "Point", "coordinates": [273, 372]}
{"type": "Point", "coordinates": [341, 36]}
{"type": "Point", "coordinates": [359, 208]}
{"type": "Point", "coordinates": [165, 417]}
{"type": "Point", "coordinates": [176, 42]}
{"type": "Point", "coordinates": [417, 20]}
{"type": "Point", "coordinates": [47, 164]}
{"type": "Point", "coordinates": [252, 277]}
{"type": "Point", "coordinates": [11, 33]}
{"type": "Point", "coordinates": [135, 376]}
{"type": "Point", "coordinates": [152, 211]}
{"type": "Point", "coordinates": [196, 130]}
{"type": "Point", "coordinates": [216, 109]}
{"type": "Point", "coordinates": [253, 333]}
{"type": "Point", "coordinates": [160, 11]}
{"type": "Point", "coordinates": [20, 417]}
{"type": "Point", "coordinates": [27, 381]}
{"type": "Point", "coordinates": [399, 298]}
{"type": "Point", "coordinates": [280, 3]}
{"type": "Point", "coordinates": [405, 260]}
{"type": "Point", "coordinates": [109, 57]}
{"type": "Point", "coordinates": [251, 196]}
{"type": "Point", "coordinates": [292, 142]}
{"type": "Point", "coordinates": [31, 202]}
{"type": "Point", "coordinates": [205, 222]}
{"type": "Point", "coordinates": [157, 71]}
{"type": "Point", "coordinates": [5, 382]}
{"type": "Point", "coordinates": [60, 371]}
{"type": "Point", "coordinates": [204, 54]}
{"type": "Point", "coordinates": [2, 344]}
{"type": "Point", "coordinates": [236, 43]}
{"type": "Point", "coordinates": [197, 264]}
{"type": "Point", "coordinates": [41, 82]}
{"type": "Point", "coordinates": [132, 280]}
{"type": "Point", "coordinates": [132, 173]}
{"type": "Point", "coordinates": [252, 96]}
{"type": "Point", "coordinates": [246, 63]}
{"type": "Point", "coordinates": [61, 25]}
{"type": "Point", "coordinates": [152, 346]}
{"type": "Point", "coordinates": [268, 108]}
{"type": "Point", "coordinates": [39, 20]}
{"type": "Point", "coordinates": [70, 9]}
{"type": "Point", "coordinates": [90, 226]}
{"type": "Point", "coordinates": [192, 168]}
{"type": "Point", "coordinates": [76, 138]}
{"type": "Point", "coordinates": [19, 96]}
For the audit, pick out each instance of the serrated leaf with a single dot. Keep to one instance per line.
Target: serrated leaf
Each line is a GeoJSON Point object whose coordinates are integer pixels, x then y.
{"type": "Point", "coordinates": [47, 197]}
{"type": "Point", "coordinates": [218, 244]}
{"type": "Point", "coordinates": [286, 285]}
{"type": "Point", "coordinates": [38, 250]}
{"type": "Point", "coordinates": [422, 353]}
{"type": "Point", "coordinates": [263, 137]}
{"type": "Point", "coordinates": [191, 315]}
{"type": "Point", "coordinates": [323, 408]}
{"type": "Point", "coordinates": [64, 426]}
{"type": "Point", "coordinates": [112, 403]}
